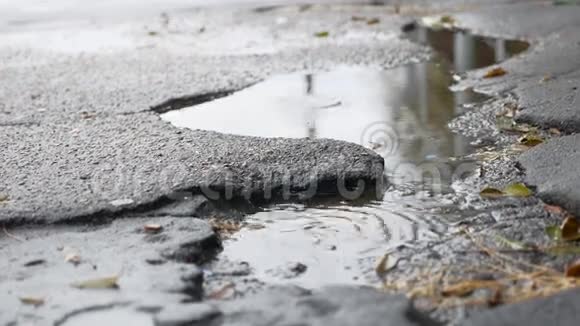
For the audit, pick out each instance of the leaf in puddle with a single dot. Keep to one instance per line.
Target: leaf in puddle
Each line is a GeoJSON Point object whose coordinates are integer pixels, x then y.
{"type": "Point", "coordinates": [322, 34]}
{"type": "Point", "coordinates": [491, 193]}
{"type": "Point", "coordinates": [99, 283]}
{"type": "Point", "coordinates": [385, 265]}
{"type": "Point", "coordinates": [569, 229]}
{"type": "Point", "coordinates": [33, 301]}
{"type": "Point", "coordinates": [554, 232]}
{"type": "Point", "coordinates": [517, 190]}
{"type": "Point", "coordinates": [495, 72]}
{"type": "Point", "coordinates": [531, 140]}
{"type": "Point", "coordinates": [573, 270]}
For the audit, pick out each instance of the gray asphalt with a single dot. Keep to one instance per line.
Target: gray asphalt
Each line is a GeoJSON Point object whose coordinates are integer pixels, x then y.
{"type": "Point", "coordinates": [80, 142]}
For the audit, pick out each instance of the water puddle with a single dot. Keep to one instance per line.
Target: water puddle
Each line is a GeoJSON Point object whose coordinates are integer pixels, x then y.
{"type": "Point", "coordinates": [401, 113]}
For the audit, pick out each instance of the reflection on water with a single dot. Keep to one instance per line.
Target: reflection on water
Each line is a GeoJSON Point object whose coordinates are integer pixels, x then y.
{"type": "Point", "coordinates": [401, 113]}
{"type": "Point", "coordinates": [464, 50]}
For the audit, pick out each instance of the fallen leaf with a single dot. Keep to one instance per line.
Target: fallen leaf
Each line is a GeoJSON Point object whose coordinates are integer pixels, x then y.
{"type": "Point", "coordinates": [358, 18]}
{"type": "Point", "coordinates": [72, 258]}
{"type": "Point", "coordinates": [122, 202]}
{"type": "Point", "coordinates": [554, 209]}
{"type": "Point", "coordinates": [546, 78]}
{"type": "Point", "coordinates": [385, 265]}
{"type": "Point", "coordinates": [515, 245]}
{"type": "Point", "coordinates": [434, 22]}
{"type": "Point", "coordinates": [530, 140]}
{"type": "Point", "coordinates": [554, 131]}
{"type": "Point", "coordinates": [373, 21]}
{"type": "Point", "coordinates": [573, 270]}
{"type": "Point", "coordinates": [447, 19]}
{"type": "Point", "coordinates": [99, 283]}
{"type": "Point", "coordinates": [569, 229]}
{"type": "Point", "coordinates": [322, 34]}
{"type": "Point", "coordinates": [496, 298]}
{"type": "Point", "coordinates": [152, 33]}
{"type": "Point", "coordinates": [465, 288]}
{"type": "Point", "coordinates": [223, 292]}
{"type": "Point", "coordinates": [3, 198]}
{"type": "Point", "coordinates": [554, 232]}
{"type": "Point", "coordinates": [562, 250]}
{"type": "Point", "coordinates": [153, 228]}
{"type": "Point", "coordinates": [33, 301]}
{"type": "Point", "coordinates": [495, 72]}
{"type": "Point", "coordinates": [517, 190]}
{"type": "Point", "coordinates": [491, 193]}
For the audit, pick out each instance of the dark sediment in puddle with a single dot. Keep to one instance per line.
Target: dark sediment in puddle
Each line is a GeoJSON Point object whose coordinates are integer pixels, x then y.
{"type": "Point", "coordinates": [401, 113]}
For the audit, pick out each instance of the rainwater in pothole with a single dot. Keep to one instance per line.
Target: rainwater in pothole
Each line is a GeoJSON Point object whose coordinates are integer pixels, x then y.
{"type": "Point", "coordinates": [401, 113]}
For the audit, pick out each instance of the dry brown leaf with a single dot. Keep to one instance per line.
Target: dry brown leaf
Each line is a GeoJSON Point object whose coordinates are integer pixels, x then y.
{"type": "Point", "coordinates": [465, 288]}
{"type": "Point", "coordinates": [554, 131]}
{"type": "Point", "coordinates": [99, 283]}
{"type": "Point", "coordinates": [33, 301]}
{"type": "Point", "coordinates": [554, 209]}
{"type": "Point", "coordinates": [495, 72]}
{"type": "Point", "coordinates": [373, 21]}
{"type": "Point", "coordinates": [573, 270]}
{"type": "Point", "coordinates": [152, 228]}
{"type": "Point", "coordinates": [569, 229]}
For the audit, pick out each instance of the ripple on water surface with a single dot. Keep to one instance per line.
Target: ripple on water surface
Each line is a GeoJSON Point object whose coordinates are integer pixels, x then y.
{"type": "Point", "coordinates": [402, 113]}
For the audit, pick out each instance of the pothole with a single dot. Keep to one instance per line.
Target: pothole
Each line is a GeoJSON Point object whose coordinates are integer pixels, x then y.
{"type": "Point", "coordinates": [401, 113]}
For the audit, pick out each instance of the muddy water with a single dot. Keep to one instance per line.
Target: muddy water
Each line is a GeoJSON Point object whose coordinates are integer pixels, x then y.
{"type": "Point", "coordinates": [401, 113]}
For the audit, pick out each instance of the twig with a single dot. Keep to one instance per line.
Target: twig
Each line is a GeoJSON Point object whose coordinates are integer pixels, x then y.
{"type": "Point", "coordinates": [10, 235]}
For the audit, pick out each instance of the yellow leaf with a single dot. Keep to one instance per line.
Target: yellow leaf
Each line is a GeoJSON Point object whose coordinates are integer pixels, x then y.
{"type": "Point", "coordinates": [99, 283]}
{"type": "Point", "coordinates": [530, 140]}
{"type": "Point", "coordinates": [554, 232]}
{"type": "Point", "coordinates": [491, 193]}
{"type": "Point", "coordinates": [33, 301]}
{"type": "Point", "coordinates": [446, 19]}
{"type": "Point", "coordinates": [495, 72]}
{"type": "Point", "coordinates": [517, 190]}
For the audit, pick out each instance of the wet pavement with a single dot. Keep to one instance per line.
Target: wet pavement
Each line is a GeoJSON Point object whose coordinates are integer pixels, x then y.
{"type": "Point", "coordinates": [114, 158]}
{"type": "Point", "coordinates": [401, 113]}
